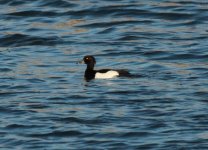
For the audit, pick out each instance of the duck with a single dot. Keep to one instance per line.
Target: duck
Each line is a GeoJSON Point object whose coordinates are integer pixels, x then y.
{"type": "Point", "coordinates": [90, 73]}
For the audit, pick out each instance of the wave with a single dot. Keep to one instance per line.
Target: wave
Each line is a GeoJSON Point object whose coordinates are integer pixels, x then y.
{"type": "Point", "coordinates": [15, 40]}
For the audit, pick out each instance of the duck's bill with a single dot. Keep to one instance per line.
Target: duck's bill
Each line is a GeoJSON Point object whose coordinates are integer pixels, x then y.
{"type": "Point", "coordinates": [81, 62]}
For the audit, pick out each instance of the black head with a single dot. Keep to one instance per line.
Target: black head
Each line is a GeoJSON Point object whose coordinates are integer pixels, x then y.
{"type": "Point", "coordinates": [89, 60]}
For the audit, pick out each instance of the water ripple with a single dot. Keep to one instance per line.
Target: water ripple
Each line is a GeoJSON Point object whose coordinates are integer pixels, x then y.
{"type": "Point", "coordinates": [15, 40]}
{"type": "Point", "coordinates": [47, 104]}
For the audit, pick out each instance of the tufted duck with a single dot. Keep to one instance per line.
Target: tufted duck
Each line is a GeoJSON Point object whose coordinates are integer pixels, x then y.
{"type": "Point", "coordinates": [90, 73]}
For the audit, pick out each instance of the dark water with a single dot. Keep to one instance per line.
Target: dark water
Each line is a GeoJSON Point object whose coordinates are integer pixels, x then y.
{"type": "Point", "coordinates": [46, 103]}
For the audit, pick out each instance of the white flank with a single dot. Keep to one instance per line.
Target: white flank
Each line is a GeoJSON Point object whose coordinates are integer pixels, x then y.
{"type": "Point", "coordinates": [107, 75]}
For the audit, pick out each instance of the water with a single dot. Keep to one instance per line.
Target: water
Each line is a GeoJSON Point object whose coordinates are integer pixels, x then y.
{"type": "Point", "coordinates": [46, 103]}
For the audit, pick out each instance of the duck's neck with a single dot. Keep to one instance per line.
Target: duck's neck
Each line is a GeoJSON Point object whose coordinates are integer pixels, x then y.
{"type": "Point", "coordinates": [90, 66]}
{"type": "Point", "coordinates": [90, 72]}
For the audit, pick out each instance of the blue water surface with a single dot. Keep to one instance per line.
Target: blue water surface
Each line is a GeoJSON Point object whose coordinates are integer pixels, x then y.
{"type": "Point", "coordinates": [47, 104]}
